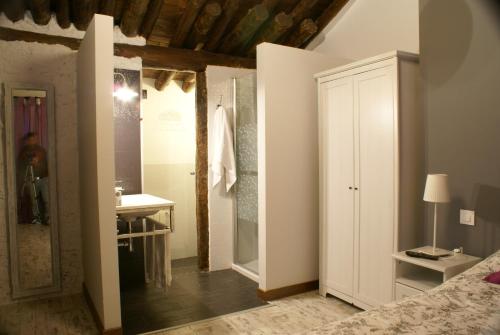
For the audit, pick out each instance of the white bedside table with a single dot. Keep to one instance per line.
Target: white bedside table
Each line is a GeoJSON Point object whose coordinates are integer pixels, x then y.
{"type": "Point", "coordinates": [416, 275]}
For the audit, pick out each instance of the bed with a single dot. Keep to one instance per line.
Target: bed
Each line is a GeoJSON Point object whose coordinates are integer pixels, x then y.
{"type": "Point", "coordinates": [464, 304]}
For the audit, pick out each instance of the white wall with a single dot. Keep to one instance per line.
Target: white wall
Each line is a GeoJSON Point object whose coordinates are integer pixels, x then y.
{"type": "Point", "coordinates": [220, 203]}
{"type": "Point", "coordinates": [366, 28]}
{"type": "Point", "coordinates": [97, 170]}
{"type": "Point", "coordinates": [288, 164]}
{"type": "Point", "coordinates": [56, 65]}
{"type": "Point", "coordinates": [168, 150]}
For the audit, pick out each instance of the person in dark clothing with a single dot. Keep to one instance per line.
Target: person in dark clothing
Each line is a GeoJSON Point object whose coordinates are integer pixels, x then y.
{"type": "Point", "coordinates": [32, 179]}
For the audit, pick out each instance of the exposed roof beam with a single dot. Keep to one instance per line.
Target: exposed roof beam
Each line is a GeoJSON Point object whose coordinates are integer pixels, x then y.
{"type": "Point", "coordinates": [245, 29]}
{"type": "Point", "coordinates": [302, 34]}
{"type": "Point", "coordinates": [272, 32]}
{"type": "Point", "coordinates": [327, 16]}
{"type": "Point", "coordinates": [107, 7]}
{"type": "Point", "coordinates": [230, 8]}
{"type": "Point", "coordinates": [133, 14]}
{"type": "Point", "coordinates": [63, 13]}
{"type": "Point", "coordinates": [152, 56]}
{"type": "Point", "coordinates": [40, 11]}
{"type": "Point", "coordinates": [14, 9]}
{"type": "Point", "coordinates": [82, 12]}
{"type": "Point", "coordinates": [118, 12]}
{"type": "Point", "coordinates": [203, 24]}
{"type": "Point", "coordinates": [152, 15]}
{"type": "Point", "coordinates": [164, 78]}
{"type": "Point", "coordinates": [189, 82]}
{"type": "Point", "coordinates": [186, 22]}
{"type": "Point", "coordinates": [302, 9]}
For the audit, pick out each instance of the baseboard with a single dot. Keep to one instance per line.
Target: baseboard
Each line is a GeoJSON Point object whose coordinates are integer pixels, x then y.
{"type": "Point", "coordinates": [97, 319]}
{"type": "Point", "coordinates": [287, 291]}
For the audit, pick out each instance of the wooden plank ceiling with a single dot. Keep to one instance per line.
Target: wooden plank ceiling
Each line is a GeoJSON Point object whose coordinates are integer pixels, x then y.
{"type": "Point", "coordinates": [210, 30]}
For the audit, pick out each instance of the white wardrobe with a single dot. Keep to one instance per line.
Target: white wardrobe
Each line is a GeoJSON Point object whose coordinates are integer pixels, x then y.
{"type": "Point", "coordinates": [371, 174]}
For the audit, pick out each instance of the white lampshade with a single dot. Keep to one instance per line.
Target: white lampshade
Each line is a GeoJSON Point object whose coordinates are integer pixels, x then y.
{"type": "Point", "coordinates": [436, 188]}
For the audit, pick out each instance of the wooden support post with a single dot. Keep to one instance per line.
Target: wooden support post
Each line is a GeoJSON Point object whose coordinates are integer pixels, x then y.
{"type": "Point", "coordinates": [301, 35]}
{"type": "Point", "coordinates": [203, 24]}
{"type": "Point", "coordinates": [164, 79]}
{"type": "Point", "coordinates": [277, 28]}
{"type": "Point", "coordinates": [245, 29]}
{"type": "Point", "coordinates": [133, 14]}
{"type": "Point", "coordinates": [40, 10]}
{"type": "Point", "coordinates": [202, 170]}
{"type": "Point", "coordinates": [118, 12]}
{"type": "Point", "coordinates": [186, 22]}
{"type": "Point", "coordinates": [63, 13]}
{"type": "Point", "coordinates": [230, 8]}
{"type": "Point", "coordinates": [107, 7]}
{"type": "Point", "coordinates": [327, 16]}
{"type": "Point", "coordinates": [152, 15]}
{"type": "Point", "coordinates": [189, 82]}
{"type": "Point", "coordinates": [82, 12]}
{"type": "Point", "coordinates": [14, 9]}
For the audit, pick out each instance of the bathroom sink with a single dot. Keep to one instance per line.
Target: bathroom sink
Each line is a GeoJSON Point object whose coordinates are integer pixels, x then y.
{"type": "Point", "coordinates": [141, 205]}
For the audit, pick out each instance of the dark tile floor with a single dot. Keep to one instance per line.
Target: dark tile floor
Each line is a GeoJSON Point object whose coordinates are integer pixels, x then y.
{"type": "Point", "coordinates": [193, 296]}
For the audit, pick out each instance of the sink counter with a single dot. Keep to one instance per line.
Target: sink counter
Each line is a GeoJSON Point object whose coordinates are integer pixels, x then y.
{"type": "Point", "coordinates": [142, 204]}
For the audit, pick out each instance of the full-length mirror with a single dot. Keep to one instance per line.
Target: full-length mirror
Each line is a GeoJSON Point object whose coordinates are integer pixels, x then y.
{"type": "Point", "coordinates": [31, 193]}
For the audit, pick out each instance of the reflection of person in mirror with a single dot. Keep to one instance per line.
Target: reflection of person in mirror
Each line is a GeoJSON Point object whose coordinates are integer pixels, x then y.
{"type": "Point", "coordinates": [32, 171]}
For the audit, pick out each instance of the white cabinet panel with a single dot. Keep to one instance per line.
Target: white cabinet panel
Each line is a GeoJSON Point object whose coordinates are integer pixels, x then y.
{"type": "Point", "coordinates": [376, 199]}
{"type": "Point", "coordinates": [338, 100]}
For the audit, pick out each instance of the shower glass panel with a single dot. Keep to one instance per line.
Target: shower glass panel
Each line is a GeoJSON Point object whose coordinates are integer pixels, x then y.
{"type": "Point", "coordinates": [246, 223]}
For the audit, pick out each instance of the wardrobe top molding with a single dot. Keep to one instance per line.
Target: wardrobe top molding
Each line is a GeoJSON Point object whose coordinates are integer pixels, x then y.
{"type": "Point", "coordinates": [395, 54]}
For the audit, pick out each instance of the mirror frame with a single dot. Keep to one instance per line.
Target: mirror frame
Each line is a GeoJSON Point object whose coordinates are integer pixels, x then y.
{"type": "Point", "coordinates": [11, 194]}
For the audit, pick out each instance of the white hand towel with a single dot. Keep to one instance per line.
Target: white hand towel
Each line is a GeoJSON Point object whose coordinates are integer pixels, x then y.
{"type": "Point", "coordinates": [223, 161]}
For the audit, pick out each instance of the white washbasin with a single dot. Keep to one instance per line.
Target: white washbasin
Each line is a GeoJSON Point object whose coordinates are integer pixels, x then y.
{"type": "Point", "coordinates": [141, 205]}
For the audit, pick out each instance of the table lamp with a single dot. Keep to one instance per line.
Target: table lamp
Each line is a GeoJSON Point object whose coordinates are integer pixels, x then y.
{"type": "Point", "coordinates": [436, 191]}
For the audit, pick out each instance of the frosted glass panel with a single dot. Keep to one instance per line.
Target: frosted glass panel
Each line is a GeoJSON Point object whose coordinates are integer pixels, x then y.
{"type": "Point", "coordinates": [246, 230]}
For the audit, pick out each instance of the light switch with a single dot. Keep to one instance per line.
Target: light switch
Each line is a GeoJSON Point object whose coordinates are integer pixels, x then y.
{"type": "Point", "coordinates": [467, 217]}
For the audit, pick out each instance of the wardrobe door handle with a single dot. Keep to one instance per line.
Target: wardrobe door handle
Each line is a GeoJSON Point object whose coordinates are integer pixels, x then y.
{"type": "Point", "coordinates": [355, 188]}
{"type": "Point", "coordinates": [350, 187]}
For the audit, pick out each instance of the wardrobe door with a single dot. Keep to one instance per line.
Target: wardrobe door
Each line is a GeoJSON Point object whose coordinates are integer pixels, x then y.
{"type": "Point", "coordinates": [337, 185]}
{"type": "Point", "coordinates": [375, 179]}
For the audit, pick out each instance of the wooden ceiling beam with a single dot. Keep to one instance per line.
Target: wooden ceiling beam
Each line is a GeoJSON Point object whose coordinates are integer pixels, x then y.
{"type": "Point", "coordinates": [302, 10]}
{"type": "Point", "coordinates": [164, 78]}
{"type": "Point", "coordinates": [152, 56]}
{"type": "Point", "coordinates": [273, 31]}
{"type": "Point", "coordinates": [152, 15]}
{"type": "Point", "coordinates": [326, 17]}
{"type": "Point", "coordinates": [40, 11]}
{"type": "Point", "coordinates": [14, 9]}
{"type": "Point", "coordinates": [245, 29]}
{"type": "Point", "coordinates": [118, 12]}
{"type": "Point", "coordinates": [203, 24]}
{"type": "Point", "coordinates": [82, 12]}
{"type": "Point", "coordinates": [230, 8]}
{"type": "Point", "coordinates": [186, 22]}
{"type": "Point", "coordinates": [107, 7]}
{"type": "Point", "coordinates": [302, 34]}
{"type": "Point", "coordinates": [133, 14]}
{"type": "Point", "coordinates": [189, 82]}
{"type": "Point", "coordinates": [63, 13]}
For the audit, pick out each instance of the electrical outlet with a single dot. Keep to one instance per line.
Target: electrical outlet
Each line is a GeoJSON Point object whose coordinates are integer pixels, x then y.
{"type": "Point", "coordinates": [467, 217]}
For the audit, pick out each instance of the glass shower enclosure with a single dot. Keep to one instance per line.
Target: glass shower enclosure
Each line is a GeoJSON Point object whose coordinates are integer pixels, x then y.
{"type": "Point", "coordinates": [246, 204]}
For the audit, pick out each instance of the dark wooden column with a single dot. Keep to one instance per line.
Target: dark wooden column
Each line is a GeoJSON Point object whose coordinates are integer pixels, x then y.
{"type": "Point", "coordinates": [202, 170]}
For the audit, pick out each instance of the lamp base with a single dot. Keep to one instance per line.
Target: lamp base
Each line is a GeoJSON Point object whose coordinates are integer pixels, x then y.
{"type": "Point", "coordinates": [428, 250]}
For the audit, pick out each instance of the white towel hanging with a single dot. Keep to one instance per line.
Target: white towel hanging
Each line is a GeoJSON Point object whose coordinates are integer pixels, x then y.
{"type": "Point", "coordinates": [223, 161]}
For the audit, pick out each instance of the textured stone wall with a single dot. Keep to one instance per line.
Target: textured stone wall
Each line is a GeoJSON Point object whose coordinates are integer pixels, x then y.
{"type": "Point", "coordinates": [40, 63]}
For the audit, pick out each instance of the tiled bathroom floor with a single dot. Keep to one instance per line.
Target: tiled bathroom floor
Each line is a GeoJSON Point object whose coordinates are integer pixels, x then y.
{"type": "Point", "coordinates": [193, 296]}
